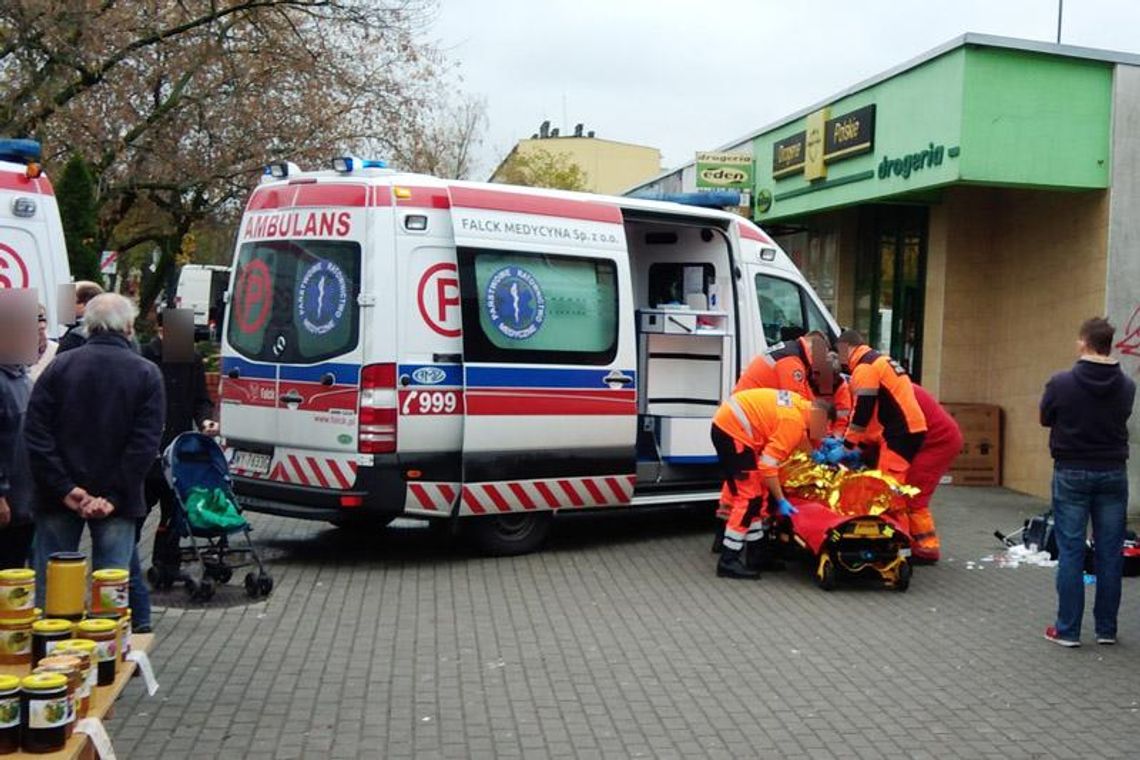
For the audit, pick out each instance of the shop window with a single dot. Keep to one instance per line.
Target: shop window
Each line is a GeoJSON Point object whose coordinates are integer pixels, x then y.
{"type": "Point", "coordinates": [786, 310]}
{"type": "Point", "coordinates": [671, 283]}
{"type": "Point", "coordinates": [538, 308]}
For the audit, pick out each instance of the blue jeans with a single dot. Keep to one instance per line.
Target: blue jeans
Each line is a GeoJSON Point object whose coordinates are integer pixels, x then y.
{"type": "Point", "coordinates": [139, 594]}
{"type": "Point", "coordinates": [57, 530]}
{"type": "Point", "coordinates": [1077, 495]}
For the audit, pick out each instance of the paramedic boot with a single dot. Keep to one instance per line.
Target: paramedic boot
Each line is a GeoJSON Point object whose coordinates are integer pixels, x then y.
{"type": "Point", "coordinates": [925, 548]}
{"type": "Point", "coordinates": [732, 565]}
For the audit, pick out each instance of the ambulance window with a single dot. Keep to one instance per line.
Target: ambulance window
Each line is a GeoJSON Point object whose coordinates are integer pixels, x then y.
{"type": "Point", "coordinates": [786, 311]}
{"type": "Point", "coordinates": [538, 308]}
{"type": "Point", "coordinates": [294, 301]}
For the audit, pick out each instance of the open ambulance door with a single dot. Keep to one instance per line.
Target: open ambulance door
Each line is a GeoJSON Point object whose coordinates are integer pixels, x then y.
{"type": "Point", "coordinates": [550, 387]}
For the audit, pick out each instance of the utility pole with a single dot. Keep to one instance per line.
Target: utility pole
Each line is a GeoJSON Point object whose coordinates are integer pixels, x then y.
{"type": "Point", "coordinates": [1060, 13]}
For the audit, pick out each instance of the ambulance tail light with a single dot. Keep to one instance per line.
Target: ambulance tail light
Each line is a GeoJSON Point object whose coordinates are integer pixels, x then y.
{"type": "Point", "coordinates": [378, 401]}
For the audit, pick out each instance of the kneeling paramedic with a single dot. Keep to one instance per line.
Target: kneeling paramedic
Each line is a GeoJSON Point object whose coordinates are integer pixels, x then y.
{"type": "Point", "coordinates": [886, 412]}
{"type": "Point", "coordinates": [753, 433]}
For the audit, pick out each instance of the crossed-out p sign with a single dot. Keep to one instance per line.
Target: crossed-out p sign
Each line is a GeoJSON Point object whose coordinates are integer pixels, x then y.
{"type": "Point", "coordinates": [438, 298]}
{"type": "Point", "coordinates": [13, 270]}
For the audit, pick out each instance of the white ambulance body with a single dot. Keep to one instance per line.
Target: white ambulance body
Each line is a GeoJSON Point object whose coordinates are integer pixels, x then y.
{"type": "Point", "coordinates": [402, 345]}
{"type": "Point", "coordinates": [32, 250]}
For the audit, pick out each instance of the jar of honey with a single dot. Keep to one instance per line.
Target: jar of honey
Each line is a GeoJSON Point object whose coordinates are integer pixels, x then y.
{"type": "Point", "coordinates": [85, 651]}
{"type": "Point", "coordinates": [16, 639]}
{"type": "Point", "coordinates": [9, 714]}
{"type": "Point", "coordinates": [105, 633]}
{"type": "Point", "coordinates": [17, 592]}
{"type": "Point", "coordinates": [66, 665]}
{"type": "Point", "coordinates": [43, 712]}
{"type": "Point", "coordinates": [110, 591]}
{"type": "Point", "coordinates": [66, 585]}
{"type": "Point", "coordinates": [45, 635]}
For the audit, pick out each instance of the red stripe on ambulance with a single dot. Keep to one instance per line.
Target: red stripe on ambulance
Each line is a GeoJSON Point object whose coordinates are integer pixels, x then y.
{"type": "Point", "coordinates": [541, 205]}
{"type": "Point", "coordinates": [524, 401]}
{"type": "Point", "coordinates": [20, 182]}
{"type": "Point", "coordinates": [430, 498]}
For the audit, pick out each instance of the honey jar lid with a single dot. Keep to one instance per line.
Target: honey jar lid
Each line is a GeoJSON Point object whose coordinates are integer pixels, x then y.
{"type": "Point", "coordinates": [97, 625]}
{"type": "Point", "coordinates": [110, 575]}
{"type": "Point", "coordinates": [9, 683]}
{"type": "Point", "coordinates": [17, 575]}
{"type": "Point", "coordinates": [51, 625]}
{"type": "Point", "coordinates": [76, 645]}
{"type": "Point", "coordinates": [20, 622]}
{"type": "Point", "coordinates": [68, 557]}
{"type": "Point", "coordinates": [44, 681]}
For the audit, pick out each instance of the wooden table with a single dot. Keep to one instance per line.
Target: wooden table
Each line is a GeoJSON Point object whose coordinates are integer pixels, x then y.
{"type": "Point", "coordinates": [102, 703]}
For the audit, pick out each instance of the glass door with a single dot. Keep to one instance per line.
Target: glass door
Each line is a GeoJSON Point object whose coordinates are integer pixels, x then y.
{"type": "Point", "coordinates": [890, 277]}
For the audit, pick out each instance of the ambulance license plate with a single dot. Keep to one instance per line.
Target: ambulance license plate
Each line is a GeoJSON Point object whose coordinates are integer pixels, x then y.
{"type": "Point", "coordinates": [251, 462]}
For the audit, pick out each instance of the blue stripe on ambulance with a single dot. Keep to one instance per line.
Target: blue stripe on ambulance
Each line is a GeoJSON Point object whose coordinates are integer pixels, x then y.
{"type": "Point", "coordinates": [249, 370]}
{"type": "Point", "coordinates": [343, 374]}
{"type": "Point", "coordinates": [532, 377]}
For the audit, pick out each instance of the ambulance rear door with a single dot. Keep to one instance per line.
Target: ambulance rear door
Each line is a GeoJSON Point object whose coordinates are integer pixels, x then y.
{"type": "Point", "coordinates": [429, 376]}
{"type": "Point", "coordinates": [549, 354]}
{"type": "Point", "coordinates": [295, 335]}
{"type": "Point", "coordinates": [32, 251]}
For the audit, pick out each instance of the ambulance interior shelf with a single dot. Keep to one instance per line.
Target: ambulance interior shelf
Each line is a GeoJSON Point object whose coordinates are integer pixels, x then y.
{"type": "Point", "coordinates": [681, 360]}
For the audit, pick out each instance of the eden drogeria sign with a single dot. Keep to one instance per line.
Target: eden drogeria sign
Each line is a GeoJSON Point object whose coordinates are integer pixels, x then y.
{"type": "Point", "coordinates": [724, 171]}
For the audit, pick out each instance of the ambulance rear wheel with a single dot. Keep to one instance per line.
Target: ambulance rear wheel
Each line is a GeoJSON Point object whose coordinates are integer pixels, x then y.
{"type": "Point", "coordinates": [508, 535]}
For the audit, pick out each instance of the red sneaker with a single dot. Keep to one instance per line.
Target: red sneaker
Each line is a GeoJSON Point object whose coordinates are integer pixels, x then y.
{"type": "Point", "coordinates": [1052, 635]}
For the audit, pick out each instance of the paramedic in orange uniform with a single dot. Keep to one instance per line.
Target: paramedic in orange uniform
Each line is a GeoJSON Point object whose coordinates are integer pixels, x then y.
{"type": "Point", "coordinates": [753, 433]}
{"type": "Point", "coordinates": [886, 411]}
{"type": "Point", "coordinates": [941, 445]}
{"type": "Point", "coordinates": [787, 367]}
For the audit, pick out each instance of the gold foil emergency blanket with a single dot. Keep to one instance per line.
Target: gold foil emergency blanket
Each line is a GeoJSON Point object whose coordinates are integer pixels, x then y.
{"type": "Point", "coordinates": [847, 492]}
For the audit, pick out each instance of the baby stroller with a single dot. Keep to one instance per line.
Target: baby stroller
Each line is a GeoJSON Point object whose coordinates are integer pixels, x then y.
{"type": "Point", "coordinates": [206, 509]}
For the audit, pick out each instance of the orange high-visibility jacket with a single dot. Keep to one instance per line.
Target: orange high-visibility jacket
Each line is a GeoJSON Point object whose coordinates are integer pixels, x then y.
{"type": "Point", "coordinates": [844, 406]}
{"type": "Point", "coordinates": [883, 396]}
{"type": "Point", "coordinates": [772, 422]}
{"type": "Point", "coordinates": [786, 367]}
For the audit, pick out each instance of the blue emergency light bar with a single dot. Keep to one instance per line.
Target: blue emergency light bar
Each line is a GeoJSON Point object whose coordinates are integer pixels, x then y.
{"type": "Point", "coordinates": [346, 164]}
{"type": "Point", "coordinates": [19, 151]}
{"type": "Point", "coordinates": [281, 169]}
{"type": "Point", "coordinates": [708, 199]}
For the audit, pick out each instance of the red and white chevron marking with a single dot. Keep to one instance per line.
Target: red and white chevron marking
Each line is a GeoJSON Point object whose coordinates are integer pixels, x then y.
{"type": "Point", "coordinates": [557, 493]}
{"type": "Point", "coordinates": [318, 472]}
{"type": "Point", "coordinates": [432, 499]}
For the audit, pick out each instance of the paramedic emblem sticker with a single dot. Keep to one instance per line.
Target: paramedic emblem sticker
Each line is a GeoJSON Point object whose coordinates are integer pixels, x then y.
{"type": "Point", "coordinates": [322, 297]}
{"type": "Point", "coordinates": [514, 303]}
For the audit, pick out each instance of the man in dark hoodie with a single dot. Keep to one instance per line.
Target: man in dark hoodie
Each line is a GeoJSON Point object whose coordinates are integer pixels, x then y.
{"type": "Point", "coordinates": [1087, 410]}
{"type": "Point", "coordinates": [15, 472]}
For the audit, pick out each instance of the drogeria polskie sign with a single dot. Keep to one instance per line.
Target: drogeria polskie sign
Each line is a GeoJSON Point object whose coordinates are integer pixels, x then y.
{"type": "Point", "coordinates": [844, 136]}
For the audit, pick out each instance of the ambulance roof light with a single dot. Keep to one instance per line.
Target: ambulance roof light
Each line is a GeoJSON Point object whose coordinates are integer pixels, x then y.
{"type": "Point", "coordinates": [281, 169]}
{"type": "Point", "coordinates": [347, 164]}
{"type": "Point", "coordinates": [20, 151]}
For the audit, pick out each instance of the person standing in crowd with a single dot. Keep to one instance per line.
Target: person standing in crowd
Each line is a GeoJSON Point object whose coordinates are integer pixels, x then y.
{"type": "Point", "coordinates": [47, 348]}
{"type": "Point", "coordinates": [93, 427]}
{"type": "Point", "coordinates": [753, 433]}
{"type": "Point", "coordinates": [15, 474]}
{"type": "Point", "coordinates": [886, 411]}
{"type": "Point", "coordinates": [188, 407]}
{"type": "Point", "coordinates": [1086, 410]}
{"type": "Point", "coordinates": [76, 334]}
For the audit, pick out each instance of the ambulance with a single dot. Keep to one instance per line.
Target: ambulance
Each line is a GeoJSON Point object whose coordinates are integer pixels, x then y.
{"type": "Point", "coordinates": [32, 250]}
{"type": "Point", "coordinates": [399, 345]}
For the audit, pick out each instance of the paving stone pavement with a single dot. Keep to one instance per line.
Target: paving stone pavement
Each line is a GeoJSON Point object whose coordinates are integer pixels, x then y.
{"type": "Point", "coordinates": [619, 641]}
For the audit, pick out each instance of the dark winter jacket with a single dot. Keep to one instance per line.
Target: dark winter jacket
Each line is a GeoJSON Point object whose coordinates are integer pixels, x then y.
{"type": "Point", "coordinates": [188, 401]}
{"type": "Point", "coordinates": [95, 421]}
{"type": "Point", "coordinates": [15, 472]}
{"type": "Point", "coordinates": [1087, 409]}
{"type": "Point", "coordinates": [73, 338]}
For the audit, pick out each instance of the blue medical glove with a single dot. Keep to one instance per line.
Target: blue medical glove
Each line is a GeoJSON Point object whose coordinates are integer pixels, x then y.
{"type": "Point", "coordinates": [836, 454]}
{"type": "Point", "coordinates": [784, 508]}
{"type": "Point", "coordinates": [819, 456]}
